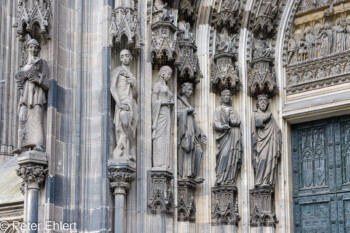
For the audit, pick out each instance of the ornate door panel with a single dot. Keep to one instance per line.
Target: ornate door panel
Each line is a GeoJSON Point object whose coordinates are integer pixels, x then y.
{"type": "Point", "coordinates": [315, 214]}
{"type": "Point", "coordinates": [313, 158]}
{"type": "Point", "coordinates": [321, 176]}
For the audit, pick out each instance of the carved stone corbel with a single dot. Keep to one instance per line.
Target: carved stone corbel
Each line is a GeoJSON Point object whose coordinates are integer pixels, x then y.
{"type": "Point", "coordinates": [120, 175]}
{"type": "Point", "coordinates": [161, 195]}
{"type": "Point", "coordinates": [224, 205]}
{"type": "Point", "coordinates": [186, 206]}
{"type": "Point", "coordinates": [33, 170]}
{"type": "Point", "coordinates": [124, 22]}
{"type": "Point", "coordinates": [30, 13]}
{"type": "Point", "coordinates": [262, 207]}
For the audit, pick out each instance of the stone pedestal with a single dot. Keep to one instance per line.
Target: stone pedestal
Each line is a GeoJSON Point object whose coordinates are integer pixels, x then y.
{"type": "Point", "coordinates": [224, 205]}
{"type": "Point", "coordinates": [32, 169]}
{"type": "Point", "coordinates": [160, 199]}
{"type": "Point", "coordinates": [185, 196]}
{"type": "Point", "coordinates": [120, 176]}
{"type": "Point", "coordinates": [262, 207]}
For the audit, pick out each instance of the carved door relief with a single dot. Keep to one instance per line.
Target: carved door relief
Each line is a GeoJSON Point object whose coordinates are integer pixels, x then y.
{"type": "Point", "coordinates": [321, 188]}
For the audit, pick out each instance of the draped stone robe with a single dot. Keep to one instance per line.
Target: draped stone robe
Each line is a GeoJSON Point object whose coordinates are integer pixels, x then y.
{"type": "Point", "coordinates": [31, 103]}
{"type": "Point", "coordinates": [189, 141]}
{"type": "Point", "coordinates": [266, 141]}
{"type": "Point", "coordinates": [229, 145]}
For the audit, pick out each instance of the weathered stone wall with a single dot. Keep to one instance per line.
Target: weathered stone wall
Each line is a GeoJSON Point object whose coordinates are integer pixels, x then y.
{"type": "Point", "coordinates": [80, 133]}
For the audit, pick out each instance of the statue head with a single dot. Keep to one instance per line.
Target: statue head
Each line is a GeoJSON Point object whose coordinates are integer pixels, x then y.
{"type": "Point", "coordinates": [165, 73]}
{"type": "Point", "coordinates": [33, 47]}
{"type": "Point", "coordinates": [125, 57]}
{"type": "Point", "coordinates": [262, 102]}
{"type": "Point", "coordinates": [187, 89]}
{"type": "Point", "coordinates": [226, 97]}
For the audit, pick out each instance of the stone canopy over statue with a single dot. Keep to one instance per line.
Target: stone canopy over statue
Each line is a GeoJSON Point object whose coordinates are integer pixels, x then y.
{"type": "Point", "coordinates": [228, 141]}
{"type": "Point", "coordinates": [124, 91]}
{"type": "Point", "coordinates": [267, 142]}
{"type": "Point", "coordinates": [33, 83]}
{"type": "Point", "coordinates": [190, 136]}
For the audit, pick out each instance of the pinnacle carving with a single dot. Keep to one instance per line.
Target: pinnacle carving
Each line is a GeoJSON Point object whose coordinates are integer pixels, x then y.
{"type": "Point", "coordinates": [229, 16]}
{"type": "Point", "coordinates": [124, 22]}
{"type": "Point", "coordinates": [31, 13]}
{"type": "Point", "coordinates": [263, 17]}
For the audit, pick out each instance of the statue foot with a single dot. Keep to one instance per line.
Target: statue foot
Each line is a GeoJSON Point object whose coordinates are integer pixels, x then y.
{"type": "Point", "coordinates": [18, 150]}
{"type": "Point", "coordinates": [39, 148]}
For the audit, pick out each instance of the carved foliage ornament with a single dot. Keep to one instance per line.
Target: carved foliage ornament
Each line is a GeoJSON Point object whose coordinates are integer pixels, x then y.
{"type": "Point", "coordinates": [124, 22]}
{"type": "Point", "coordinates": [32, 175]}
{"type": "Point", "coordinates": [31, 13]}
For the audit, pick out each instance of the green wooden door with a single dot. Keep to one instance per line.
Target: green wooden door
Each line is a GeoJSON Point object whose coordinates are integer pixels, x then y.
{"type": "Point", "coordinates": [321, 176]}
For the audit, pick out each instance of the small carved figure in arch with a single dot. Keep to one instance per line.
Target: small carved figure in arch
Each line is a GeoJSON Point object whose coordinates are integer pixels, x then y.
{"type": "Point", "coordinates": [226, 43]}
{"type": "Point", "coordinates": [340, 35]}
{"type": "Point", "coordinates": [310, 41]}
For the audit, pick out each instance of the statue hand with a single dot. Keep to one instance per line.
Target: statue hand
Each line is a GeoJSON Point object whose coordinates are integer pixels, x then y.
{"type": "Point", "coordinates": [124, 107]}
{"type": "Point", "coordinates": [226, 127]}
{"type": "Point", "coordinates": [204, 138]}
{"type": "Point", "coordinates": [34, 80]}
{"type": "Point", "coordinates": [190, 110]}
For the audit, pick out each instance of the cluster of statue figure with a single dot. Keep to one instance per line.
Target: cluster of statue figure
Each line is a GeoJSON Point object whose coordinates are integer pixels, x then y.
{"type": "Point", "coordinates": [319, 40]}
{"type": "Point", "coordinates": [32, 82]}
{"type": "Point", "coordinates": [190, 137]}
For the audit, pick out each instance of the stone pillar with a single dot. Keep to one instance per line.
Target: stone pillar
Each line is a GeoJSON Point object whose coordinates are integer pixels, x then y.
{"type": "Point", "coordinates": [120, 176]}
{"type": "Point", "coordinates": [32, 169]}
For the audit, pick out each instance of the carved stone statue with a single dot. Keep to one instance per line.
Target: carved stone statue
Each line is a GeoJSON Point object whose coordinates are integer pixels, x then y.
{"type": "Point", "coordinates": [267, 8]}
{"type": "Point", "coordinates": [124, 91]}
{"type": "Point", "coordinates": [310, 41]}
{"type": "Point", "coordinates": [266, 141]}
{"type": "Point", "coordinates": [33, 84]}
{"type": "Point", "coordinates": [228, 141]}
{"type": "Point", "coordinates": [292, 50]}
{"type": "Point", "coordinates": [184, 31]}
{"type": "Point", "coordinates": [340, 30]}
{"type": "Point", "coordinates": [225, 43]}
{"type": "Point", "coordinates": [302, 49]}
{"type": "Point", "coordinates": [348, 33]}
{"type": "Point", "coordinates": [190, 136]}
{"type": "Point", "coordinates": [162, 100]}
{"type": "Point", "coordinates": [160, 6]}
{"type": "Point", "coordinates": [261, 49]}
{"type": "Point", "coordinates": [325, 40]}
